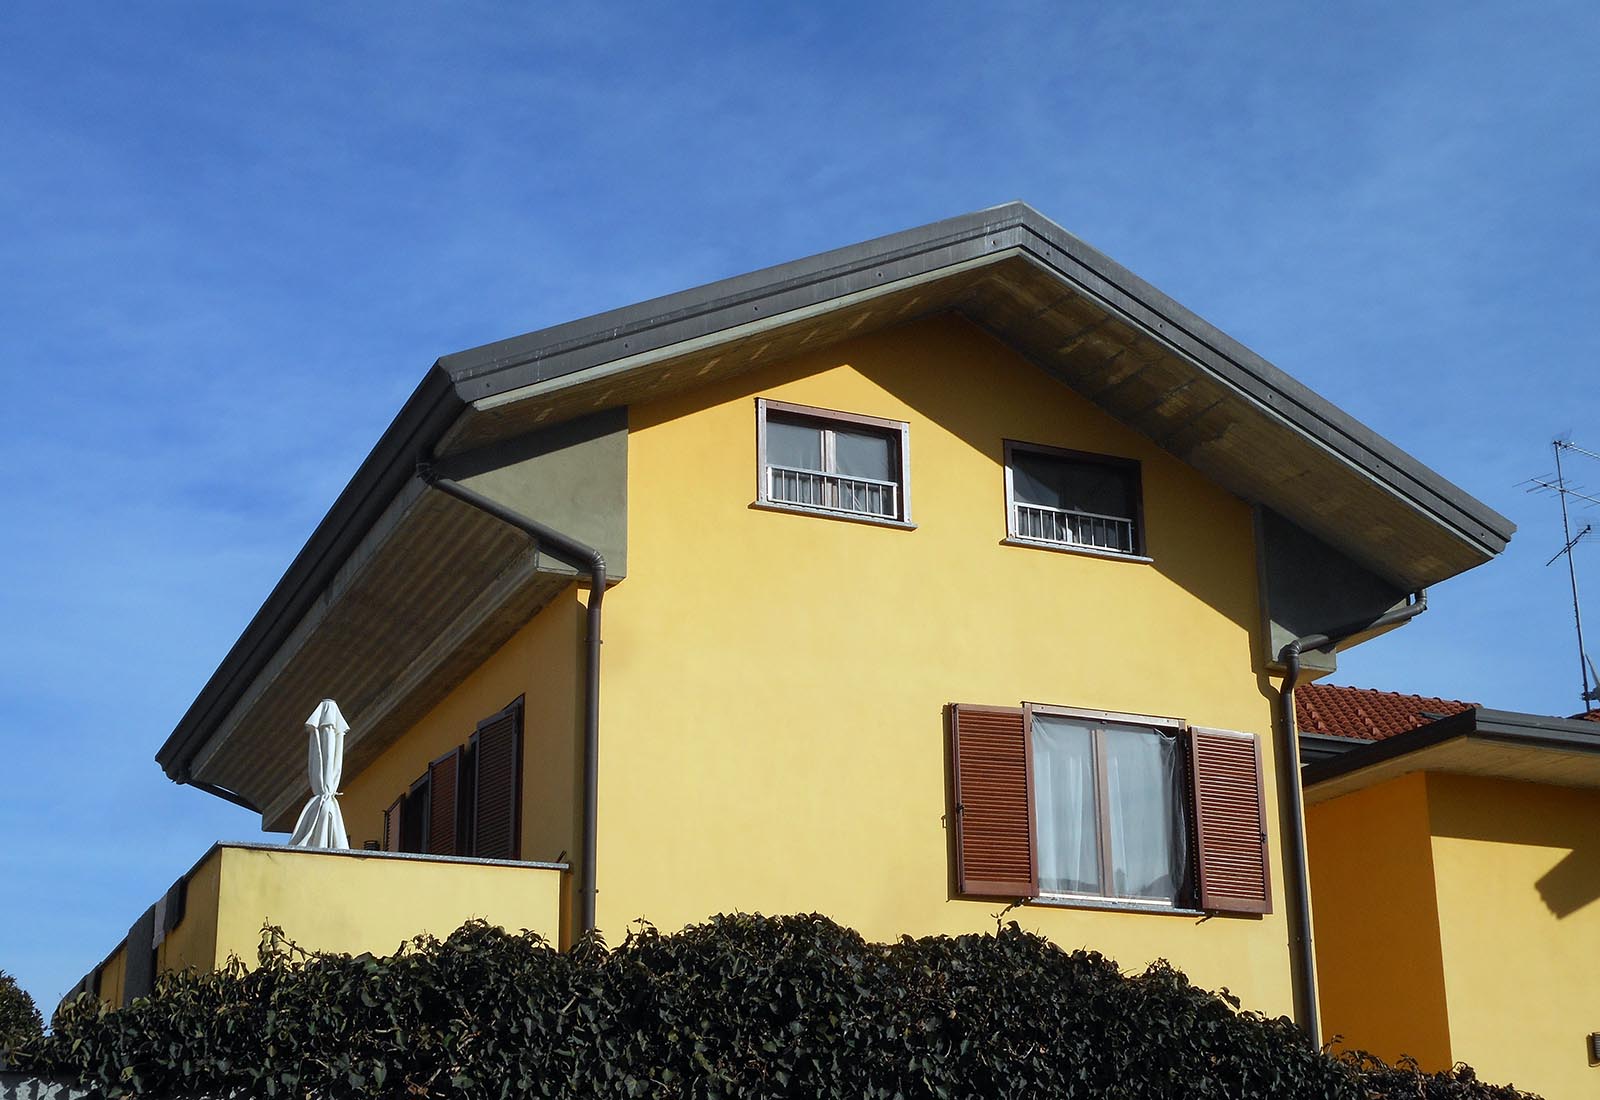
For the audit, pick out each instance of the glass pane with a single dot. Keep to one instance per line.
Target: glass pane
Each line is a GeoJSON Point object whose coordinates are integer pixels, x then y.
{"type": "Point", "coordinates": [1064, 806]}
{"type": "Point", "coordinates": [1036, 479]}
{"type": "Point", "coordinates": [1149, 845]}
{"type": "Point", "coordinates": [862, 454]}
{"type": "Point", "coordinates": [795, 445]}
{"type": "Point", "coordinates": [1071, 485]}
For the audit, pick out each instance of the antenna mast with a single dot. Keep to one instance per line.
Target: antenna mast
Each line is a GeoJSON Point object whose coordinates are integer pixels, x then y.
{"type": "Point", "coordinates": [1591, 689]}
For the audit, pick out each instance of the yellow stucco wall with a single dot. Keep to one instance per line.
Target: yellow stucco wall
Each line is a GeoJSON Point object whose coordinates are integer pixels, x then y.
{"type": "Point", "coordinates": [542, 663]}
{"type": "Point", "coordinates": [772, 729]}
{"type": "Point", "coordinates": [1380, 972]}
{"type": "Point", "coordinates": [1517, 867]}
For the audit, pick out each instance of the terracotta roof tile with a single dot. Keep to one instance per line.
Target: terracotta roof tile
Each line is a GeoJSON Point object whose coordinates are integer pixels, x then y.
{"type": "Point", "coordinates": [1589, 715]}
{"type": "Point", "coordinates": [1366, 713]}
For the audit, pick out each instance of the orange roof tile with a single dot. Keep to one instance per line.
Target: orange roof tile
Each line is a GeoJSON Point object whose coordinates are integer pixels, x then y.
{"type": "Point", "coordinates": [1366, 713]}
{"type": "Point", "coordinates": [1589, 715]}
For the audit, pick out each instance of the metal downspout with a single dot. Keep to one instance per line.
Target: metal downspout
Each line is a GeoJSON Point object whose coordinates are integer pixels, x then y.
{"type": "Point", "coordinates": [583, 557]}
{"type": "Point", "coordinates": [1297, 871]}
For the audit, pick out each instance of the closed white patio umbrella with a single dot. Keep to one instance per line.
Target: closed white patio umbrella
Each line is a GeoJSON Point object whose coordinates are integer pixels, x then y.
{"type": "Point", "coordinates": [321, 825]}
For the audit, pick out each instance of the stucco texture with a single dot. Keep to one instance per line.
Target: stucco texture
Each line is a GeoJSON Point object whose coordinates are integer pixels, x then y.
{"type": "Point", "coordinates": [773, 732]}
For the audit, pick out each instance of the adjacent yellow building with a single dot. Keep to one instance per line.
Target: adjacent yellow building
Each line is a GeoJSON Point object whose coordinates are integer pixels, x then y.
{"type": "Point", "coordinates": [941, 574]}
{"type": "Point", "coordinates": [1455, 871]}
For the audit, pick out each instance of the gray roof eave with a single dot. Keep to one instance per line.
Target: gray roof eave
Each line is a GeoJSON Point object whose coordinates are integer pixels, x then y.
{"type": "Point", "coordinates": [458, 381]}
{"type": "Point", "coordinates": [422, 420]}
{"type": "Point", "coordinates": [495, 370]}
{"type": "Point", "coordinates": [1529, 731]}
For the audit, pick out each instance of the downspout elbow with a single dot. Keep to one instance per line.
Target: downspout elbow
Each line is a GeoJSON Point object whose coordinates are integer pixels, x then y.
{"type": "Point", "coordinates": [1289, 752]}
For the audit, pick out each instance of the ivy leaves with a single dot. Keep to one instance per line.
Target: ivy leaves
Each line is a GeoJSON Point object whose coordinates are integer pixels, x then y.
{"type": "Point", "coordinates": [739, 1007]}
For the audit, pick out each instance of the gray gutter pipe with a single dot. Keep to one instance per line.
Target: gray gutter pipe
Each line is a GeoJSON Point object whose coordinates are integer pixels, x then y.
{"type": "Point", "coordinates": [1296, 870]}
{"type": "Point", "coordinates": [221, 792]}
{"type": "Point", "coordinates": [583, 557]}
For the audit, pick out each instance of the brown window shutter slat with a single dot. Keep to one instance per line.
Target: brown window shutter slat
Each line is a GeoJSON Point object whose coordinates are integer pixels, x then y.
{"type": "Point", "coordinates": [992, 769]}
{"type": "Point", "coordinates": [444, 776]}
{"type": "Point", "coordinates": [497, 785]}
{"type": "Point", "coordinates": [1230, 821]}
{"type": "Point", "coordinates": [414, 817]}
{"type": "Point", "coordinates": [391, 825]}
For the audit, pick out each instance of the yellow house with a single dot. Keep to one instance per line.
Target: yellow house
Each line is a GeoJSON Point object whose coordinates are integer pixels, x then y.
{"type": "Point", "coordinates": [1455, 871]}
{"type": "Point", "coordinates": [954, 569]}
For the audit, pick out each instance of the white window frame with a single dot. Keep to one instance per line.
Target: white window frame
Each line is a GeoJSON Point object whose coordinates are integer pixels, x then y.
{"type": "Point", "coordinates": [1130, 466]}
{"type": "Point", "coordinates": [828, 420]}
{"type": "Point", "coordinates": [1185, 901]}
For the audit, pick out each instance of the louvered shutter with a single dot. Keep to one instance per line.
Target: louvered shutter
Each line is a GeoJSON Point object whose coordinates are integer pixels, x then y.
{"type": "Point", "coordinates": [497, 786]}
{"type": "Point", "coordinates": [414, 817]}
{"type": "Point", "coordinates": [391, 825]}
{"type": "Point", "coordinates": [992, 769]}
{"type": "Point", "coordinates": [1230, 821]}
{"type": "Point", "coordinates": [444, 776]}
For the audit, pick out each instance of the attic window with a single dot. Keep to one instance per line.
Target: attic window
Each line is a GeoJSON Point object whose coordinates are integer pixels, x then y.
{"type": "Point", "coordinates": [832, 463]}
{"type": "Point", "coordinates": [1073, 500]}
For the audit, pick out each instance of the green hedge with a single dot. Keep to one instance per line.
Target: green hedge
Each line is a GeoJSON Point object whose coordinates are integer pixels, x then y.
{"type": "Point", "coordinates": [742, 1006]}
{"type": "Point", "coordinates": [20, 1021]}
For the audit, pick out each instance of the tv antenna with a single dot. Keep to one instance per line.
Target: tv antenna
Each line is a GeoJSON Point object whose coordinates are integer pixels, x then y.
{"type": "Point", "coordinates": [1571, 494]}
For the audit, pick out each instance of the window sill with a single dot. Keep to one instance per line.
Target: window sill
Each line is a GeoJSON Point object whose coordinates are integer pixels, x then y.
{"type": "Point", "coordinates": [1115, 905]}
{"type": "Point", "coordinates": [1084, 551]}
{"type": "Point", "coordinates": [824, 513]}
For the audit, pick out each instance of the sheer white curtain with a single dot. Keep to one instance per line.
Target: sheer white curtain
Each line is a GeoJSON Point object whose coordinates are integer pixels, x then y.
{"type": "Point", "coordinates": [1148, 842]}
{"type": "Point", "coordinates": [1064, 806]}
{"type": "Point", "coordinates": [1149, 845]}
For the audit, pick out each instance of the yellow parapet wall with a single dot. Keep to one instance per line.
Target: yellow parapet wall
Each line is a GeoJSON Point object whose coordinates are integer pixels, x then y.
{"type": "Point", "coordinates": [341, 901]}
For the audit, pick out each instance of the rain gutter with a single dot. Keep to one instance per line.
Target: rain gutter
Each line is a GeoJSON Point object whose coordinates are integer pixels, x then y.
{"type": "Point", "coordinates": [1296, 870]}
{"type": "Point", "coordinates": [587, 559]}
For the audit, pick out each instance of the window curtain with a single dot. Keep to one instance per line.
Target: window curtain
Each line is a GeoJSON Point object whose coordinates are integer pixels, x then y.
{"type": "Point", "coordinates": [1065, 811]}
{"type": "Point", "coordinates": [1149, 839]}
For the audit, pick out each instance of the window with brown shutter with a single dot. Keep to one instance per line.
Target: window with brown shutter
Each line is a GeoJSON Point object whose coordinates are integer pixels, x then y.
{"type": "Point", "coordinates": [1071, 805]}
{"type": "Point", "coordinates": [414, 817]}
{"type": "Point", "coordinates": [497, 785]}
{"type": "Point", "coordinates": [1230, 820]}
{"type": "Point", "coordinates": [991, 764]}
{"type": "Point", "coordinates": [391, 825]}
{"type": "Point", "coordinates": [444, 776]}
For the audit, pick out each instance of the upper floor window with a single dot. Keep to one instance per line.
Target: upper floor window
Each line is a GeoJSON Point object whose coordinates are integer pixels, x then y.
{"type": "Point", "coordinates": [832, 462]}
{"type": "Point", "coordinates": [1071, 499]}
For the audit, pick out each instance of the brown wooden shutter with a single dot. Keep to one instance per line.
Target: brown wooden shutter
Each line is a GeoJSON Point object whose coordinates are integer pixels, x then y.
{"type": "Point", "coordinates": [414, 816]}
{"type": "Point", "coordinates": [1230, 822]}
{"type": "Point", "coordinates": [992, 769]}
{"type": "Point", "coordinates": [444, 776]}
{"type": "Point", "coordinates": [497, 786]}
{"type": "Point", "coordinates": [391, 825]}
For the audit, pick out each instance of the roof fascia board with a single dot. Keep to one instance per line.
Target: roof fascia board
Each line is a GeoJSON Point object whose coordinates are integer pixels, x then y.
{"type": "Point", "coordinates": [1531, 731]}
{"type": "Point", "coordinates": [427, 413]}
{"type": "Point", "coordinates": [345, 576]}
{"type": "Point", "coordinates": [630, 338]}
{"type": "Point", "coordinates": [1184, 332]}
{"type": "Point", "coordinates": [1379, 752]}
{"type": "Point", "coordinates": [709, 310]}
{"type": "Point", "coordinates": [558, 383]}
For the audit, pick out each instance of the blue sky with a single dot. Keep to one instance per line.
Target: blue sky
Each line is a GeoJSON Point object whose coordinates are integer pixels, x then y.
{"type": "Point", "coordinates": [233, 237]}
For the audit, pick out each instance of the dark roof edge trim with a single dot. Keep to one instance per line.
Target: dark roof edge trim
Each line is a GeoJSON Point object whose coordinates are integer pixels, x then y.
{"type": "Point", "coordinates": [425, 416]}
{"type": "Point", "coordinates": [1479, 724]}
{"type": "Point", "coordinates": [493, 370]}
